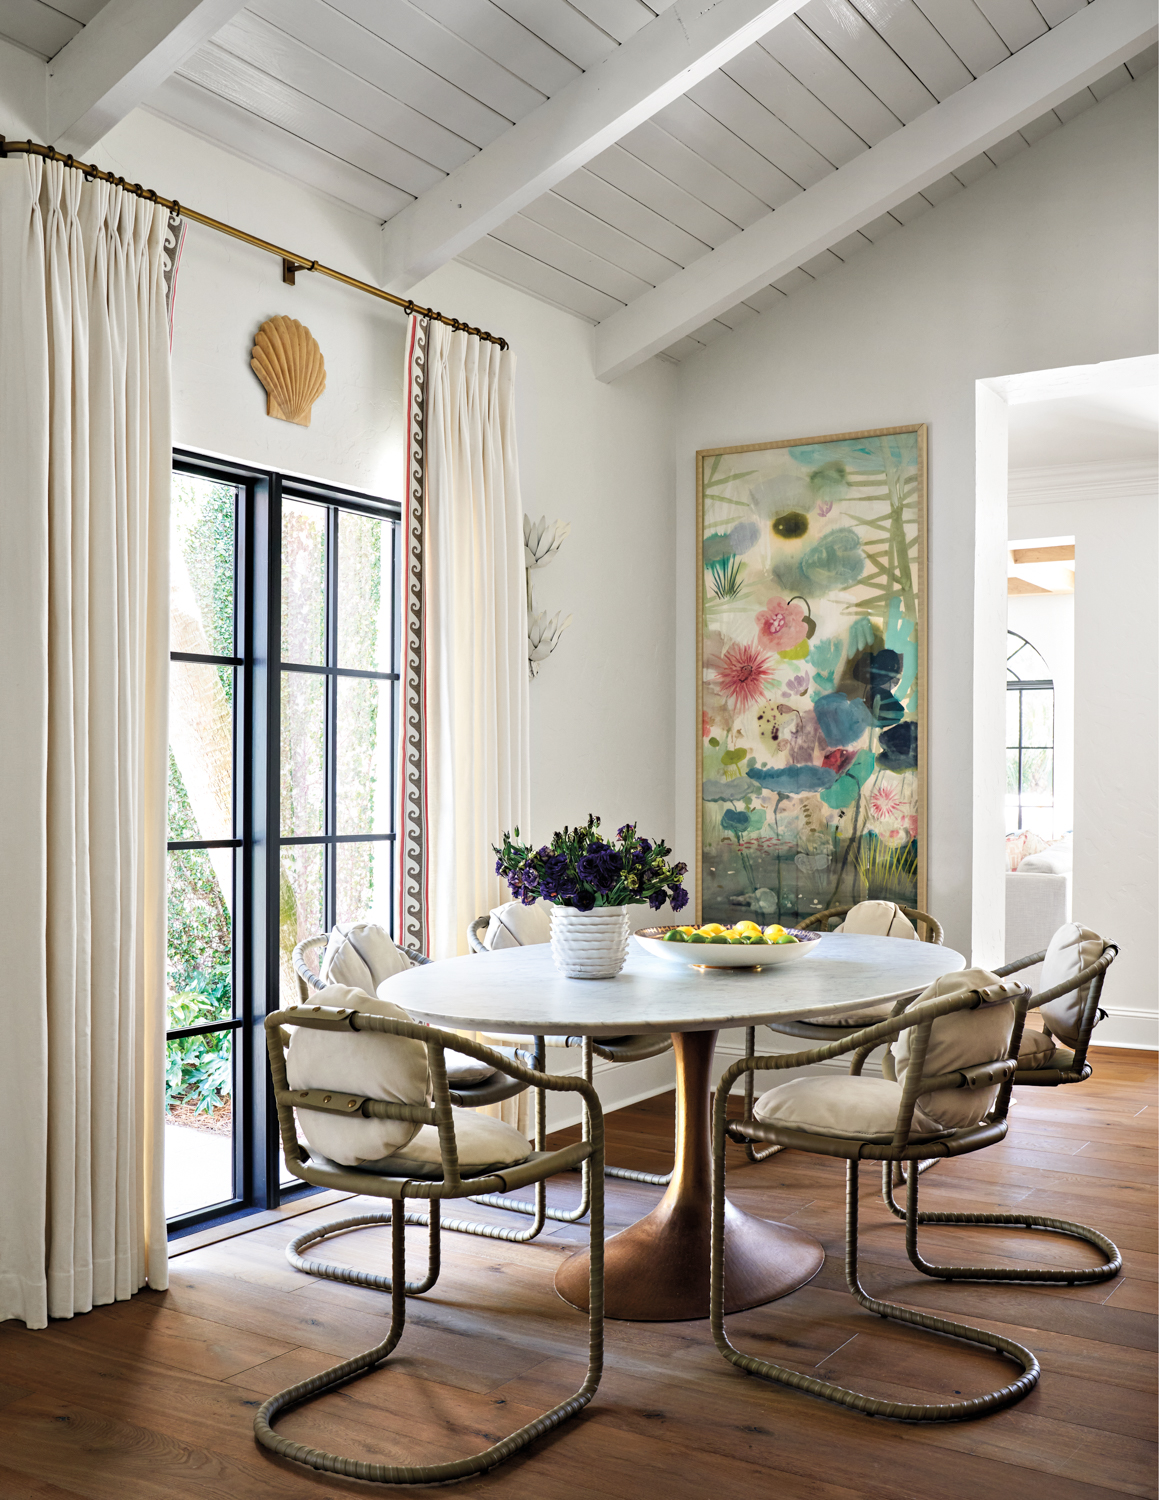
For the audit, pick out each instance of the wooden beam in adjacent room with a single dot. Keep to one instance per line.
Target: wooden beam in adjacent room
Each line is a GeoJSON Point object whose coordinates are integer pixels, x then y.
{"type": "Point", "coordinates": [1042, 554]}
{"type": "Point", "coordinates": [683, 45]}
{"type": "Point", "coordinates": [1021, 586]}
{"type": "Point", "coordinates": [1075, 53]}
{"type": "Point", "coordinates": [129, 48]}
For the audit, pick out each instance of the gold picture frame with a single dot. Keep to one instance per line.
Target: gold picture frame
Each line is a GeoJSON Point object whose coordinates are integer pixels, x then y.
{"type": "Point", "coordinates": [763, 663]}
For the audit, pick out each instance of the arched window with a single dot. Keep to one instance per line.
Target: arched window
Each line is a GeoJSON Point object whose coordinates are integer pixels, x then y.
{"type": "Point", "coordinates": [1029, 738]}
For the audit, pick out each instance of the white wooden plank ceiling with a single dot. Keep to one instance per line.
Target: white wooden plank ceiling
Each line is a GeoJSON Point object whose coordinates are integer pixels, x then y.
{"type": "Point", "coordinates": [375, 101]}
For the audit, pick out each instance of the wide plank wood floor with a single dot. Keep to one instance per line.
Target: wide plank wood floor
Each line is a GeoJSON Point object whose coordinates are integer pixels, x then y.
{"type": "Point", "coordinates": [154, 1398]}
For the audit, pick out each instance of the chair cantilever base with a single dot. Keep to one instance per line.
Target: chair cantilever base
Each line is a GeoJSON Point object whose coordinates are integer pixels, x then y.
{"type": "Point", "coordinates": [1077, 1276]}
{"type": "Point", "coordinates": [339, 1375]}
{"type": "Point", "coordinates": [903, 1411]}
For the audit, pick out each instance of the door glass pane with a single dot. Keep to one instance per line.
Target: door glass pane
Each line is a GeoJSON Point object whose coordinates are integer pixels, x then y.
{"type": "Point", "coordinates": [303, 753]}
{"type": "Point", "coordinates": [303, 582]}
{"type": "Point", "coordinates": [199, 950]}
{"type": "Point", "coordinates": [364, 592]}
{"type": "Point", "coordinates": [1038, 717]}
{"type": "Point", "coordinates": [364, 885]}
{"type": "Point", "coordinates": [1038, 776]}
{"type": "Point", "coordinates": [200, 750]}
{"type": "Point", "coordinates": [299, 909]}
{"type": "Point", "coordinates": [198, 1122]}
{"type": "Point", "coordinates": [201, 558]}
{"type": "Point", "coordinates": [364, 755]}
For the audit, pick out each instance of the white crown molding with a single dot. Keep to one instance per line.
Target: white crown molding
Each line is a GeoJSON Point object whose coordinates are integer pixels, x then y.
{"type": "Point", "coordinates": [1091, 481]}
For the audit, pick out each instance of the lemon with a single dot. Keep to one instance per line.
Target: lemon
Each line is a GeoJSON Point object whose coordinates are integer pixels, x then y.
{"type": "Point", "coordinates": [711, 928]}
{"type": "Point", "coordinates": [774, 931]}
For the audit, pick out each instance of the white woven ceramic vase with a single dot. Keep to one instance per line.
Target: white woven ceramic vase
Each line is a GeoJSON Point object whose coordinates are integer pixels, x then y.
{"type": "Point", "coordinates": [589, 944]}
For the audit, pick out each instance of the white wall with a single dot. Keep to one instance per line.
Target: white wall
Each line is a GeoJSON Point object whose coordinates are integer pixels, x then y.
{"type": "Point", "coordinates": [590, 454]}
{"type": "Point", "coordinates": [1048, 261]}
{"type": "Point", "coordinates": [1116, 726]}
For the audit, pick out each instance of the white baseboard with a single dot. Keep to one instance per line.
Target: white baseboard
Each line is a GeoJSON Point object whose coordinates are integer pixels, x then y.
{"type": "Point", "coordinates": [1128, 1027]}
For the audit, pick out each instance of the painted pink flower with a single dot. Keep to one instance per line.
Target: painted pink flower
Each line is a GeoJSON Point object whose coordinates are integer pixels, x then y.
{"type": "Point", "coordinates": [886, 806]}
{"type": "Point", "coordinates": [781, 625]}
{"type": "Point", "coordinates": [741, 674]}
{"type": "Point", "coordinates": [705, 724]}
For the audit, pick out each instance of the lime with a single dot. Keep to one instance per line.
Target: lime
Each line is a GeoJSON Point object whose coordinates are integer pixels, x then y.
{"type": "Point", "coordinates": [717, 937]}
{"type": "Point", "coordinates": [698, 937]}
{"type": "Point", "coordinates": [675, 936]}
{"type": "Point", "coordinates": [784, 938]}
{"type": "Point", "coordinates": [758, 937]}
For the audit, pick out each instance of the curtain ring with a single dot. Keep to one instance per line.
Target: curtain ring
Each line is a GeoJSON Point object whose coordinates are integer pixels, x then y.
{"type": "Point", "coordinates": [176, 209]}
{"type": "Point", "coordinates": [408, 307]}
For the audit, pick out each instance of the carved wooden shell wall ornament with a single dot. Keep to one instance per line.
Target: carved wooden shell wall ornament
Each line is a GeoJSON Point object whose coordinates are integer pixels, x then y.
{"type": "Point", "coordinates": [288, 362]}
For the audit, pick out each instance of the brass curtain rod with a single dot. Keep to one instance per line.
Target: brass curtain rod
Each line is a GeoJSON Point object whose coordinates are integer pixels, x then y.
{"type": "Point", "coordinates": [291, 263]}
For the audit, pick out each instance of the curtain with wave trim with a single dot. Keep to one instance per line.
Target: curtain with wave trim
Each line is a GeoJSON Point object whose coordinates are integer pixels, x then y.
{"type": "Point", "coordinates": [464, 766]}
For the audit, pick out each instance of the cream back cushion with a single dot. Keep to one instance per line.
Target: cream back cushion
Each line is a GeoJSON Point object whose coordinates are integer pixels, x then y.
{"type": "Point", "coordinates": [361, 955]}
{"type": "Point", "coordinates": [373, 1064]}
{"type": "Point", "coordinates": [871, 919]}
{"type": "Point", "coordinates": [877, 919]}
{"type": "Point", "coordinates": [517, 926]}
{"type": "Point", "coordinates": [1072, 949]}
{"type": "Point", "coordinates": [962, 1039]}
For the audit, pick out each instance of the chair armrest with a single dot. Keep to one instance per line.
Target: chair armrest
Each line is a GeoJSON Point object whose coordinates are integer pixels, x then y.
{"type": "Point", "coordinates": [1019, 963]}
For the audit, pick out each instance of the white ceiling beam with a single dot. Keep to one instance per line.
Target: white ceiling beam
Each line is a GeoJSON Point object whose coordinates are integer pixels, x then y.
{"type": "Point", "coordinates": [127, 50]}
{"type": "Point", "coordinates": [662, 61]}
{"type": "Point", "coordinates": [1080, 50]}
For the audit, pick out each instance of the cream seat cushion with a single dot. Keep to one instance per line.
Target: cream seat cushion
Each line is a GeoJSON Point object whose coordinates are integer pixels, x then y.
{"type": "Point", "coordinates": [373, 1064]}
{"type": "Point", "coordinates": [866, 1108]}
{"type": "Point", "coordinates": [362, 955]}
{"type": "Point", "coordinates": [962, 1039]}
{"type": "Point", "coordinates": [484, 1145]}
{"type": "Point", "coordinates": [849, 1107]}
{"type": "Point", "coordinates": [1072, 949]}
{"type": "Point", "coordinates": [873, 919]}
{"type": "Point", "coordinates": [1039, 1051]}
{"type": "Point", "coordinates": [514, 925]}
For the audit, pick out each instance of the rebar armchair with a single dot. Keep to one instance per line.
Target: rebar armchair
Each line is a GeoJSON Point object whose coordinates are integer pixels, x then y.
{"type": "Point", "coordinates": [956, 1052]}
{"type": "Point", "coordinates": [364, 956]}
{"type": "Point", "coordinates": [874, 919]}
{"type": "Point", "coordinates": [481, 936]}
{"type": "Point", "coordinates": [402, 1139]}
{"type": "Point", "coordinates": [1074, 966]}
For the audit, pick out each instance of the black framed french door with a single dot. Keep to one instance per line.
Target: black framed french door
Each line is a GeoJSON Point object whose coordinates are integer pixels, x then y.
{"type": "Point", "coordinates": [281, 791]}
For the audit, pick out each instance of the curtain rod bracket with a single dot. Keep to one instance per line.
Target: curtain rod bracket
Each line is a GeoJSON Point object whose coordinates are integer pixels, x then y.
{"type": "Point", "coordinates": [290, 268]}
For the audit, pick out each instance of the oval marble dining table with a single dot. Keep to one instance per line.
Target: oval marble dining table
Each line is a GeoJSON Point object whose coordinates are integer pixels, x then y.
{"type": "Point", "coordinates": [658, 1268]}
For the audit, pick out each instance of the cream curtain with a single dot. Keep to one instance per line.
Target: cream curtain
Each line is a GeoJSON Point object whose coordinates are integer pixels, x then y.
{"type": "Point", "coordinates": [84, 499]}
{"type": "Point", "coordinates": [465, 751]}
{"type": "Point", "coordinates": [466, 712]}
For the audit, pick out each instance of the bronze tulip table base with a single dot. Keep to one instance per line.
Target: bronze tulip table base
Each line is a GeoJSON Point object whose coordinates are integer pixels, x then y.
{"type": "Point", "coordinates": [658, 1270]}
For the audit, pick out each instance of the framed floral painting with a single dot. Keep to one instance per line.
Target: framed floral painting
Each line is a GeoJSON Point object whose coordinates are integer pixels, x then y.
{"type": "Point", "coordinates": [811, 654]}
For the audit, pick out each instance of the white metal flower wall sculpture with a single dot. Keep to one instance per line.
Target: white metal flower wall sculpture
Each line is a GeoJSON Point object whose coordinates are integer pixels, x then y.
{"type": "Point", "coordinates": [540, 544]}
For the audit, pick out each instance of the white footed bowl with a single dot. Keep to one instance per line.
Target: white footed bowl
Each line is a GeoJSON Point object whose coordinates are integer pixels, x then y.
{"type": "Point", "coordinates": [590, 944]}
{"type": "Point", "coordinates": [728, 955]}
